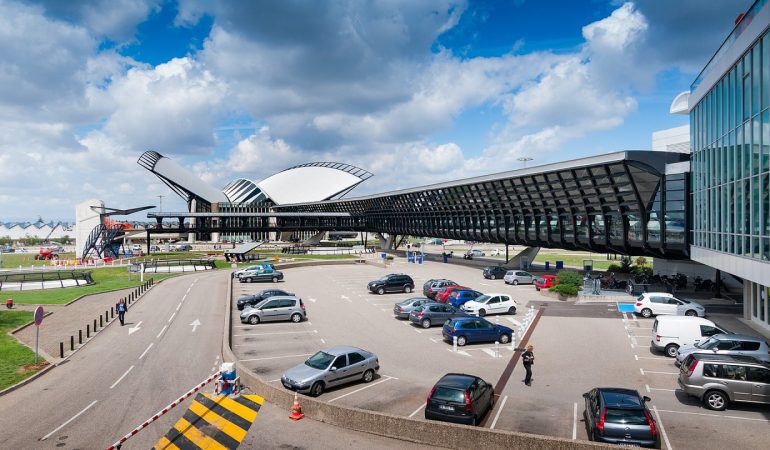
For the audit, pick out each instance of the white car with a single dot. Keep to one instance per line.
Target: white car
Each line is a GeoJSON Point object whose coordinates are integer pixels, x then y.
{"type": "Point", "coordinates": [661, 303]}
{"type": "Point", "coordinates": [497, 252]}
{"type": "Point", "coordinates": [491, 304]}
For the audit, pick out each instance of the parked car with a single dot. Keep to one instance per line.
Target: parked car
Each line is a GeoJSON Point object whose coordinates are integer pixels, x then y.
{"type": "Point", "coordinates": [497, 252]}
{"type": "Point", "coordinates": [261, 275]}
{"type": "Point", "coordinates": [6, 249]}
{"type": "Point", "coordinates": [252, 300]}
{"type": "Point", "coordinates": [394, 282]}
{"type": "Point", "coordinates": [491, 304]}
{"type": "Point", "coordinates": [458, 298]}
{"type": "Point", "coordinates": [620, 416]}
{"type": "Point", "coordinates": [659, 303]}
{"type": "Point", "coordinates": [461, 398]}
{"type": "Point", "coordinates": [727, 344]}
{"type": "Point", "coordinates": [545, 282]}
{"type": "Point", "coordinates": [470, 254]}
{"type": "Point", "coordinates": [432, 314]}
{"type": "Point", "coordinates": [718, 380]}
{"type": "Point", "coordinates": [136, 247]}
{"type": "Point", "coordinates": [494, 272]}
{"type": "Point", "coordinates": [264, 266]}
{"type": "Point", "coordinates": [516, 277]}
{"type": "Point", "coordinates": [434, 241]}
{"type": "Point", "coordinates": [402, 309]}
{"type": "Point", "coordinates": [475, 329]}
{"type": "Point", "coordinates": [181, 247]}
{"type": "Point", "coordinates": [434, 286]}
{"type": "Point", "coordinates": [275, 308]}
{"type": "Point", "coordinates": [671, 332]}
{"type": "Point", "coordinates": [443, 295]}
{"type": "Point", "coordinates": [154, 248]}
{"type": "Point", "coordinates": [331, 367]}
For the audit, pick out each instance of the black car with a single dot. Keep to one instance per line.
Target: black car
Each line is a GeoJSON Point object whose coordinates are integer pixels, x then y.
{"type": "Point", "coordinates": [394, 282]}
{"type": "Point", "coordinates": [460, 398]}
{"type": "Point", "coordinates": [494, 272]}
{"type": "Point", "coordinates": [251, 300]}
{"type": "Point", "coordinates": [620, 416]}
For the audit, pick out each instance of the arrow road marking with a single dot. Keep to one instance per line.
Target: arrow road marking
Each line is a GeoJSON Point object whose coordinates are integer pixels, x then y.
{"type": "Point", "coordinates": [195, 324]}
{"type": "Point", "coordinates": [134, 328]}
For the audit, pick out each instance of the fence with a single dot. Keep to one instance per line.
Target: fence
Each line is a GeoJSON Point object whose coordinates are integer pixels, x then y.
{"type": "Point", "coordinates": [299, 250]}
{"type": "Point", "coordinates": [176, 265]}
{"type": "Point", "coordinates": [20, 280]}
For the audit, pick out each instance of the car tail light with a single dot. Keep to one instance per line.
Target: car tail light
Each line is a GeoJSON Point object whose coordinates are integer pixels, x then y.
{"type": "Point", "coordinates": [468, 402]}
{"type": "Point", "coordinates": [692, 367]}
{"type": "Point", "coordinates": [650, 422]}
{"type": "Point", "coordinates": [400, 309]}
{"type": "Point", "coordinates": [657, 338]}
{"type": "Point", "coordinates": [638, 304]}
{"type": "Point", "coordinates": [419, 314]}
{"type": "Point", "coordinates": [600, 423]}
{"type": "Point", "coordinates": [427, 400]}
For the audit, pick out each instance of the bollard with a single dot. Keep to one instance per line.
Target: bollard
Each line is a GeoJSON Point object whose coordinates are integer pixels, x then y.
{"type": "Point", "coordinates": [94, 325]}
{"type": "Point", "coordinates": [513, 342]}
{"type": "Point", "coordinates": [454, 344]}
{"type": "Point", "coordinates": [61, 350]}
{"type": "Point", "coordinates": [101, 323]}
{"type": "Point", "coordinates": [497, 349]}
{"type": "Point", "coordinates": [88, 331]}
{"type": "Point", "coordinates": [72, 343]}
{"type": "Point", "coordinates": [80, 337]}
{"type": "Point", "coordinates": [106, 316]}
{"type": "Point", "coordinates": [112, 312]}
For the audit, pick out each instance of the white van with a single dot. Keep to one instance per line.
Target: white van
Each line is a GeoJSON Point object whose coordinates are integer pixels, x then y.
{"type": "Point", "coordinates": [671, 332]}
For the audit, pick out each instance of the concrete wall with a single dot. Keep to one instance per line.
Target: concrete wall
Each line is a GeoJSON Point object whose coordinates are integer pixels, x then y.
{"type": "Point", "coordinates": [86, 219]}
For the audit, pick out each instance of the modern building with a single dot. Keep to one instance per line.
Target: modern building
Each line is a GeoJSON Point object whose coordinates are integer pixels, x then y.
{"type": "Point", "coordinates": [729, 112]}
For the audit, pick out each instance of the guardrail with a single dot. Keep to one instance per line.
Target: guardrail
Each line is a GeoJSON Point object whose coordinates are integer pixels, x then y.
{"type": "Point", "coordinates": [166, 265]}
{"type": "Point", "coordinates": [327, 250]}
{"type": "Point", "coordinates": [19, 280]}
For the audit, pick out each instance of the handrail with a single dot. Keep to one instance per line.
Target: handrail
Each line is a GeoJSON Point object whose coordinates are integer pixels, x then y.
{"type": "Point", "coordinates": [18, 279]}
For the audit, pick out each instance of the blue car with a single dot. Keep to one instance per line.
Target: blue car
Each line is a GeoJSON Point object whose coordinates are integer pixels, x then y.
{"type": "Point", "coordinates": [459, 297]}
{"type": "Point", "coordinates": [475, 329]}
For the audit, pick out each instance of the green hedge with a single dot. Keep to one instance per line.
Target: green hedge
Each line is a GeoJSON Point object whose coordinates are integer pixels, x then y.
{"type": "Point", "coordinates": [565, 289]}
{"type": "Point", "coordinates": [569, 277]}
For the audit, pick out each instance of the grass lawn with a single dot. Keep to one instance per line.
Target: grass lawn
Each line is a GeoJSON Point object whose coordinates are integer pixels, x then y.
{"type": "Point", "coordinates": [106, 279]}
{"type": "Point", "coordinates": [16, 360]}
{"type": "Point", "coordinates": [14, 260]}
{"type": "Point", "coordinates": [221, 264]}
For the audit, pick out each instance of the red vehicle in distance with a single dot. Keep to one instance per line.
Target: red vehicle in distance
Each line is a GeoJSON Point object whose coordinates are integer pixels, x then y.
{"type": "Point", "coordinates": [442, 296]}
{"type": "Point", "coordinates": [545, 282]}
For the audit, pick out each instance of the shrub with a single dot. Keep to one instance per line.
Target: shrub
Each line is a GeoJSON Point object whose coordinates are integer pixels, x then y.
{"type": "Point", "coordinates": [640, 261]}
{"type": "Point", "coordinates": [389, 257]}
{"type": "Point", "coordinates": [619, 268]}
{"type": "Point", "coordinates": [564, 289]}
{"type": "Point", "coordinates": [568, 277]}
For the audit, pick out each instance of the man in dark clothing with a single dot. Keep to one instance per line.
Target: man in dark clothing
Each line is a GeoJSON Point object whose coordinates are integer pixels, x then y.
{"type": "Point", "coordinates": [121, 308]}
{"type": "Point", "coordinates": [528, 358]}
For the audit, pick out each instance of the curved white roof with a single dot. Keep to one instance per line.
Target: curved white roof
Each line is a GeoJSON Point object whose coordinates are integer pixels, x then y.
{"type": "Point", "coordinates": [312, 182]}
{"type": "Point", "coordinates": [680, 105]}
{"type": "Point", "coordinates": [178, 178]}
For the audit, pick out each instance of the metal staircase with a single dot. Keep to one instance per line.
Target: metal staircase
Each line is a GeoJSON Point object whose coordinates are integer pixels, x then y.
{"type": "Point", "coordinates": [101, 240]}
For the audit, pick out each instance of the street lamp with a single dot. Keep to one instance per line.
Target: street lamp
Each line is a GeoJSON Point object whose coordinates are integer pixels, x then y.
{"type": "Point", "coordinates": [524, 159]}
{"type": "Point", "coordinates": [160, 200]}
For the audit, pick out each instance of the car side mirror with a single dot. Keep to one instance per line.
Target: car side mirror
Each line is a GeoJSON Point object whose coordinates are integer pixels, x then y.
{"type": "Point", "coordinates": [333, 369]}
{"type": "Point", "coordinates": [646, 399]}
{"type": "Point", "coordinates": [585, 395]}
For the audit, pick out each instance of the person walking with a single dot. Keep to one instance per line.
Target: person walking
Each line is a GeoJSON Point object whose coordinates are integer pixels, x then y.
{"type": "Point", "coordinates": [121, 308]}
{"type": "Point", "coordinates": [528, 358]}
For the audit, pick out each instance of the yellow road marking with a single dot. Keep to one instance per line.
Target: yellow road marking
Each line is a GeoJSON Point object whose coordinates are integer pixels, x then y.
{"type": "Point", "coordinates": [195, 436]}
{"type": "Point", "coordinates": [165, 444]}
{"type": "Point", "coordinates": [229, 428]}
{"type": "Point", "coordinates": [235, 407]}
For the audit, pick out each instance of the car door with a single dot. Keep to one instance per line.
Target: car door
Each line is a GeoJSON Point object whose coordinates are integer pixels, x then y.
{"type": "Point", "coordinates": [760, 380]}
{"type": "Point", "coordinates": [659, 305]}
{"type": "Point", "coordinates": [485, 331]}
{"type": "Point", "coordinates": [493, 305]}
{"type": "Point", "coordinates": [525, 277]}
{"type": "Point", "coordinates": [735, 377]}
{"type": "Point", "coordinates": [285, 307]}
{"type": "Point", "coordinates": [679, 306]}
{"type": "Point", "coordinates": [590, 409]}
{"type": "Point", "coordinates": [357, 366]}
{"type": "Point", "coordinates": [338, 371]}
{"type": "Point", "coordinates": [505, 304]}
{"type": "Point", "coordinates": [270, 310]}
{"type": "Point", "coordinates": [727, 346]}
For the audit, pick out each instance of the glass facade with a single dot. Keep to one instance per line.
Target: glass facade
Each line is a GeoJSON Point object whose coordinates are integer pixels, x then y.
{"type": "Point", "coordinates": [730, 136]}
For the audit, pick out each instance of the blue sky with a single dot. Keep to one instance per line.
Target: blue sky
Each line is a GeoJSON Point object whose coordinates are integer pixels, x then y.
{"type": "Point", "coordinates": [415, 92]}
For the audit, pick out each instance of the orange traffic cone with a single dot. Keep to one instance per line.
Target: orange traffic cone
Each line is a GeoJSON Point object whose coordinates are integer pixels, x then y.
{"type": "Point", "coordinates": [296, 410]}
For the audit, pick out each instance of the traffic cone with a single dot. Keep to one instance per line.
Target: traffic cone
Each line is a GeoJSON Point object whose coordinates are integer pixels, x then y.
{"type": "Point", "coordinates": [296, 410]}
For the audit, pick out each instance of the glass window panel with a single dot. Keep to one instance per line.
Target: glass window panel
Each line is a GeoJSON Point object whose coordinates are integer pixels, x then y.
{"type": "Point", "coordinates": [739, 153]}
{"type": "Point", "coordinates": [766, 203]}
{"type": "Point", "coordinates": [756, 144]}
{"type": "Point", "coordinates": [756, 77]}
{"type": "Point", "coordinates": [755, 230]}
{"type": "Point", "coordinates": [739, 207]}
{"type": "Point", "coordinates": [747, 149]}
{"type": "Point", "coordinates": [746, 87]}
{"type": "Point", "coordinates": [738, 95]}
{"type": "Point", "coordinates": [766, 71]}
{"type": "Point", "coordinates": [765, 166]}
{"type": "Point", "coordinates": [731, 156]}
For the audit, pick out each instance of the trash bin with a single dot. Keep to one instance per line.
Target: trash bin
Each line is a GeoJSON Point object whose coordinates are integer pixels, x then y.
{"type": "Point", "coordinates": [588, 267]}
{"type": "Point", "coordinates": [559, 265]}
{"type": "Point", "coordinates": [547, 266]}
{"type": "Point", "coordinates": [409, 257]}
{"type": "Point", "coordinates": [383, 255]}
{"type": "Point", "coordinates": [419, 258]}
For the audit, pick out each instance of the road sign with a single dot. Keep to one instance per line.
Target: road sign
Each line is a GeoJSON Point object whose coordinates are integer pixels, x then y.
{"type": "Point", "coordinates": [134, 268]}
{"type": "Point", "coordinates": [38, 320]}
{"type": "Point", "coordinates": [39, 315]}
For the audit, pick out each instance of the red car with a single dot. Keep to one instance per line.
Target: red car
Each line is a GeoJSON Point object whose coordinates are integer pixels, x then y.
{"type": "Point", "coordinates": [443, 295]}
{"type": "Point", "coordinates": [545, 282]}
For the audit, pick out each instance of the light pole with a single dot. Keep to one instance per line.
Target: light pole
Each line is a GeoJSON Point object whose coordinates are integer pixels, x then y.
{"type": "Point", "coordinates": [524, 159]}
{"type": "Point", "coordinates": [160, 200]}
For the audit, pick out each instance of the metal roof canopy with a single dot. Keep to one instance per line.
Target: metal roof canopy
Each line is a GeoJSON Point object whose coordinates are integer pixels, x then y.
{"type": "Point", "coordinates": [243, 248]}
{"type": "Point", "coordinates": [250, 214]}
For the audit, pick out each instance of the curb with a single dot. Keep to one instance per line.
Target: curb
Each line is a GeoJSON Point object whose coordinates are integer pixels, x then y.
{"type": "Point", "coordinates": [21, 383]}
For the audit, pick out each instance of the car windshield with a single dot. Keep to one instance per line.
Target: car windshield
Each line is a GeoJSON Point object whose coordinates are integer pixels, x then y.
{"type": "Point", "coordinates": [482, 299]}
{"type": "Point", "coordinates": [541, 280]}
{"type": "Point", "coordinates": [385, 278]}
{"type": "Point", "coordinates": [708, 344]}
{"type": "Point", "coordinates": [684, 301]}
{"type": "Point", "coordinates": [408, 301]}
{"type": "Point", "coordinates": [449, 395]}
{"type": "Point", "coordinates": [320, 360]}
{"type": "Point", "coordinates": [625, 416]}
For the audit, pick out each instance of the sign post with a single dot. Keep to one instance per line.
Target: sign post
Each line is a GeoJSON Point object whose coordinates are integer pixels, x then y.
{"type": "Point", "coordinates": [38, 320]}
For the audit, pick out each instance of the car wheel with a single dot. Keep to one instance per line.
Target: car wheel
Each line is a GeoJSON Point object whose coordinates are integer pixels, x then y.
{"type": "Point", "coordinates": [317, 389]}
{"type": "Point", "coordinates": [716, 400]}
{"type": "Point", "coordinates": [461, 341]}
{"type": "Point", "coordinates": [473, 421]}
{"type": "Point", "coordinates": [691, 313]}
{"type": "Point", "coordinates": [425, 323]}
{"type": "Point", "coordinates": [512, 310]}
{"type": "Point", "coordinates": [381, 291]}
{"type": "Point", "coordinates": [504, 339]}
{"type": "Point", "coordinates": [407, 289]}
{"type": "Point", "coordinates": [249, 280]}
{"type": "Point", "coordinates": [494, 277]}
{"type": "Point", "coordinates": [253, 320]}
{"type": "Point", "coordinates": [515, 282]}
{"type": "Point", "coordinates": [537, 288]}
{"type": "Point", "coordinates": [275, 279]}
{"type": "Point", "coordinates": [368, 376]}
{"type": "Point", "coordinates": [671, 350]}
{"type": "Point", "coordinates": [482, 312]}
{"type": "Point", "coordinates": [646, 313]}
{"type": "Point", "coordinates": [296, 317]}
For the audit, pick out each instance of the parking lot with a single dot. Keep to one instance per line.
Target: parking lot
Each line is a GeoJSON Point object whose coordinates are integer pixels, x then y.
{"type": "Point", "coordinates": [577, 347]}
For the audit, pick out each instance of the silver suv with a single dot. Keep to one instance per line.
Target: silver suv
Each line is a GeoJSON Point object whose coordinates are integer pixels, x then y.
{"type": "Point", "coordinates": [718, 380]}
{"type": "Point", "coordinates": [275, 308]}
{"type": "Point", "coordinates": [728, 344]}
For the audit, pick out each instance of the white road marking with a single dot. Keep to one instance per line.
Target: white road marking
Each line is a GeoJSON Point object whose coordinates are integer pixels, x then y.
{"type": "Point", "coordinates": [67, 422]}
{"type": "Point", "coordinates": [665, 390]}
{"type": "Point", "coordinates": [178, 306]}
{"type": "Point", "coordinates": [172, 317]}
{"type": "Point", "coordinates": [485, 284]}
{"type": "Point", "coordinates": [513, 321]}
{"type": "Point", "coordinates": [188, 289]}
{"type": "Point", "coordinates": [121, 377]}
{"type": "Point", "coordinates": [277, 332]}
{"type": "Point", "coordinates": [574, 422]}
{"type": "Point", "coordinates": [419, 331]}
{"type": "Point", "coordinates": [718, 416]}
{"type": "Point", "coordinates": [273, 381]}
{"type": "Point", "coordinates": [131, 330]}
{"type": "Point", "coordinates": [460, 352]}
{"type": "Point", "coordinates": [323, 341]}
{"type": "Point", "coordinates": [384, 310]}
{"type": "Point", "coordinates": [502, 405]}
{"type": "Point", "coordinates": [489, 352]}
{"type": "Point", "coordinates": [641, 370]}
{"type": "Point", "coordinates": [647, 386]}
{"type": "Point", "coordinates": [195, 324]}
{"type": "Point", "coordinates": [435, 340]}
{"type": "Point", "coordinates": [161, 331]}
{"type": "Point", "coordinates": [662, 430]}
{"type": "Point", "coordinates": [649, 357]}
{"type": "Point", "coordinates": [311, 299]}
{"type": "Point", "coordinates": [276, 357]}
{"type": "Point", "coordinates": [361, 389]}
{"type": "Point", "coordinates": [417, 410]}
{"type": "Point", "coordinates": [146, 350]}
{"type": "Point", "coordinates": [309, 323]}
{"type": "Point", "coordinates": [184, 298]}
{"type": "Point", "coordinates": [660, 373]}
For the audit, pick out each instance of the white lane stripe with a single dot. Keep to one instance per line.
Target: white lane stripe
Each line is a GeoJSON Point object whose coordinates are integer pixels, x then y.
{"type": "Point", "coordinates": [665, 390]}
{"type": "Point", "coordinates": [172, 317]}
{"type": "Point", "coordinates": [178, 306]}
{"type": "Point", "coordinates": [277, 332]}
{"type": "Point", "coordinates": [661, 373]}
{"type": "Point", "coordinates": [574, 422]}
{"type": "Point", "coordinates": [184, 297]}
{"type": "Point", "coordinates": [662, 430]}
{"type": "Point", "coordinates": [719, 416]}
{"type": "Point", "coordinates": [417, 410]}
{"type": "Point", "coordinates": [502, 404]}
{"type": "Point", "coordinates": [361, 389]}
{"type": "Point", "coordinates": [67, 422]}
{"type": "Point", "coordinates": [145, 351]}
{"type": "Point", "coordinates": [161, 331]}
{"type": "Point", "coordinates": [647, 386]}
{"type": "Point", "coordinates": [323, 341]}
{"type": "Point", "coordinates": [276, 357]}
{"type": "Point", "coordinates": [121, 377]}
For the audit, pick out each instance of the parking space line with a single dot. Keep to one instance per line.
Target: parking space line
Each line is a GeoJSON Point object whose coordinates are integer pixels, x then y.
{"type": "Point", "coordinates": [494, 421]}
{"type": "Point", "coordinates": [277, 332]}
{"type": "Point", "coordinates": [718, 416]}
{"type": "Point", "coordinates": [662, 430]}
{"type": "Point", "coordinates": [649, 357]}
{"type": "Point", "coordinates": [275, 357]}
{"type": "Point", "coordinates": [459, 352]}
{"type": "Point", "coordinates": [574, 422]}
{"type": "Point", "coordinates": [658, 373]}
{"type": "Point", "coordinates": [387, 378]}
{"type": "Point", "coordinates": [665, 390]}
{"type": "Point", "coordinates": [417, 410]}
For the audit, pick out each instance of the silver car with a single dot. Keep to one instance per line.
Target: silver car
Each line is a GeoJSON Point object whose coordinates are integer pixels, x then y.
{"type": "Point", "coordinates": [718, 380]}
{"type": "Point", "coordinates": [516, 277]}
{"type": "Point", "coordinates": [331, 367]}
{"type": "Point", "coordinates": [727, 344]}
{"type": "Point", "coordinates": [275, 308]}
{"type": "Point", "coordinates": [402, 309]}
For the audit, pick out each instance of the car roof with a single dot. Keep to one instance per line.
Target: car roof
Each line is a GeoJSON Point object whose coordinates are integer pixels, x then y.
{"type": "Point", "coordinates": [660, 294]}
{"type": "Point", "coordinates": [340, 350]}
{"type": "Point", "coordinates": [715, 357]}
{"type": "Point", "coordinates": [738, 337]}
{"type": "Point", "coordinates": [492, 294]}
{"type": "Point", "coordinates": [457, 380]}
{"type": "Point", "coordinates": [672, 318]}
{"type": "Point", "coordinates": [620, 397]}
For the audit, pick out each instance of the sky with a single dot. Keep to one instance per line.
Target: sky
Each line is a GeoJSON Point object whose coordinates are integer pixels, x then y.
{"type": "Point", "coordinates": [414, 92]}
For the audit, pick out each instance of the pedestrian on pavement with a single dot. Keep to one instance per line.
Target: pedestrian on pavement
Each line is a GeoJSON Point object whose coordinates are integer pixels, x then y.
{"type": "Point", "coordinates": [121, 308]}
{"type": "Point", "coordinates": [529, 358]}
